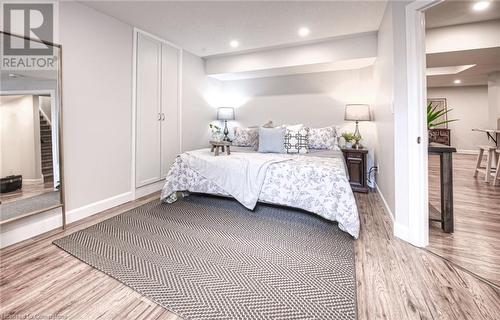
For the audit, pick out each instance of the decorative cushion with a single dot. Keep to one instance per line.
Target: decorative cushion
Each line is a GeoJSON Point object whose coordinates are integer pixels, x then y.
{"type": "Point", "coordinates": [245, 137]}
{"type": "Point", "coordinates": [272, 140]}
{"type": "Point", "coordinates": [296, 141]}
{"type": "Point", "coordinates": [323, 138]}
{"type": "Point", "coordinates": [248, 137]}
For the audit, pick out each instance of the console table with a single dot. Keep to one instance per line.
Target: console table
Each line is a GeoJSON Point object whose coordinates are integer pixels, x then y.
{"type": "Point", "coordinates": [493, 134]}
{"type": "Point", "coordinates": [446, 183]}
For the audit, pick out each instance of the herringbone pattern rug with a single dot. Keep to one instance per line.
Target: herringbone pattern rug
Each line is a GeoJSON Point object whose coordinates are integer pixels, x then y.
{"type": "Point", "coordinates": [210, 258]}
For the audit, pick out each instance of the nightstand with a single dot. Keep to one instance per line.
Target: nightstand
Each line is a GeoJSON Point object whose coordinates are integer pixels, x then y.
{"type": "Point", "coordinates": [356, 167]}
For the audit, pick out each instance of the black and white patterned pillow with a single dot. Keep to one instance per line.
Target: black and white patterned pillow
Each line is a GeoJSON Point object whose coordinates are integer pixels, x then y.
{"type": "Point", "coordinates": [297, 141]}
{"type": "Point", "coordinates": [245, 137]}
{"type": "Point", "coordinates": [323, 138]}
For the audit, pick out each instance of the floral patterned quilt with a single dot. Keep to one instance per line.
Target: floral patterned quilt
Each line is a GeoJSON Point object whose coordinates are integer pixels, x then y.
{"type": "Point", "coordinates": [317, 184]}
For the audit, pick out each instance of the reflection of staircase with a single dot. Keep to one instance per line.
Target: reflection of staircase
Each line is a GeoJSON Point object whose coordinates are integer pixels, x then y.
{"type": "Point", "coordinates": [46, 146]}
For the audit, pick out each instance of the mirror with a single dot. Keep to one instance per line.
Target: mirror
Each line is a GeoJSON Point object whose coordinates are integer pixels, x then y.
{"type": "Point", "coordinates": [30, 122]}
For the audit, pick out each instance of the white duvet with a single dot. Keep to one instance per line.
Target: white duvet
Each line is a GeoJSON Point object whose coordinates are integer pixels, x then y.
{"type": "Point", "coordinates": [313, 183]}
{"type": "Point", "coordinates": [241, 174]}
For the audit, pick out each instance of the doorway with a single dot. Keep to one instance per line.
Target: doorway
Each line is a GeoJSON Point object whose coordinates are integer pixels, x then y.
{"type": "Point", "coordinates": [463, 112]}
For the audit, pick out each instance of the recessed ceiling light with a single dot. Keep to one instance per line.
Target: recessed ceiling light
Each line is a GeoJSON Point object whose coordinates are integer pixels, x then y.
{"type": "Point", "coordinates": [481, 5]}
{"type": "Point", "coordinates": [304, 32]}
{"type": "Point", "coordinates": [234, 44]}
{"type": "Point", "coordinates": [457, 81]}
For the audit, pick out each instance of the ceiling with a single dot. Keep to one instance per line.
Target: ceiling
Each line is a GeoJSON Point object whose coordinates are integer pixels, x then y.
{"type": "Point", "coordinates": [452, 12]}
{"type": "Point", "coordinates": [205, 28]}
{"type": "Point", "coordinates": [486, 61]}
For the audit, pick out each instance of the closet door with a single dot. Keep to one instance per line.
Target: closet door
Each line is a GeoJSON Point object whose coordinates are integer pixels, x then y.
{"type": "Point", "coordinates": [148, 111]}
{"type": "Point", "coordinates": [170, 107]}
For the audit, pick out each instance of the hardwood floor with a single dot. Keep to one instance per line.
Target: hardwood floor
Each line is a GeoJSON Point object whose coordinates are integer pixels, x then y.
{"type": "Point", "coordinates": [395, 280]}
{"type": "Point", "coordinates": [475, 244]}
{"type": "Point", "coordinates": [27, 191]}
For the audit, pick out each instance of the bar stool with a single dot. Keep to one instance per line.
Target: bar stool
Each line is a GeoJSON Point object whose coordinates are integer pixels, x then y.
{"type": "Point", "coordinates": [490, 161]}
{"type": "Point", "coordinates": [496, 176]}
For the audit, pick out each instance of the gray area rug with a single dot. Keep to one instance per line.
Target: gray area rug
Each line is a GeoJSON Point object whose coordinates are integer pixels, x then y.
{"type": "Point", "coordinates": [19, 207]}
{"type": "Point", "coordinates": [210, 258]}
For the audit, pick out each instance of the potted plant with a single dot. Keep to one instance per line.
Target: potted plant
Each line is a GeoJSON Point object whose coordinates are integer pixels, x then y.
{"type": "Point", "coordinates": [349, 138]}
{"type": "Point", "coordinates": [439, 135]}
{"type": "Point", "coordinates": [217, 134]}
{"type": "Point", "coordinates": [357, 138]}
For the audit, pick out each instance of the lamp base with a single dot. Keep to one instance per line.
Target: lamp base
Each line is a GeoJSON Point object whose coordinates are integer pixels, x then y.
{"type": "Point", "coordinates": [356, 132]}
{"type": "Point", "coordinates": [226, 132]}
{"type": "Point", "coordinates": [357, 145]}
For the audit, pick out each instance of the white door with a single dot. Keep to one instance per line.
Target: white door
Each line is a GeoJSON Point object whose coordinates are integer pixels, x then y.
{"type": "Point", "coordinates": [148, 111]}
{"type": "Point", "coordinates": [170, 145]}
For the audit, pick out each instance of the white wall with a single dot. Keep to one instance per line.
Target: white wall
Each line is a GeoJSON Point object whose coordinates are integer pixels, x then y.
{"type": "Point", "coordinates": [401, 163]}
{"type": "Point", "coordinates": [383, 110]}
{"type": "Point", "coordinates": [97, 84]}
{"type": "Point", "coordinates": [314, 99]}
{"type": "Point", "coordinates": [391, 114]}
{"type": "Point", "coordinates": [20, 138]}
{"type": "Point", "coordinates": [470, 106]}
{"type": "Point", "coordinates": [494, 100]}
{"type": "Point", "coordinates": [197, 112]}
{"type": "Point", "coordinates": [97, 111]}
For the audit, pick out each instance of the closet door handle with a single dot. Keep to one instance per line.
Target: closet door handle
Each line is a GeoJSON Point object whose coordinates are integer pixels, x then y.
{"type": "Point", "coordinates": [159, 116]}
{"type": "Point", "coordinates": [163, 117]}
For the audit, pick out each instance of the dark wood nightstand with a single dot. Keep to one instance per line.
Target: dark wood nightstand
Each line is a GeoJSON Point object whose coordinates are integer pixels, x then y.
{"type": "Point", "coordinates": [356, 167]}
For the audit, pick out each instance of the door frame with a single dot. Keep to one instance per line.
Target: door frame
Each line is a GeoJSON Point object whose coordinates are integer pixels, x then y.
{"type": "Point", "coordinates": [136, 191]}
{"type": "Point", "coordinates": [416, 142]}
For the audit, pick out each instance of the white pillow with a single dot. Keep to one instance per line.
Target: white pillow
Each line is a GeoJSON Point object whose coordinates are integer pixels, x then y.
{"type": "Point", "coordinates": [323, 138]}
{"type": "Point", "coordinates": [272, 140]}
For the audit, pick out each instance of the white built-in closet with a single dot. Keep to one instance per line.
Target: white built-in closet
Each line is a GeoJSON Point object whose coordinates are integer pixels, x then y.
{"type": "Point", "coordinates": [156, 108]}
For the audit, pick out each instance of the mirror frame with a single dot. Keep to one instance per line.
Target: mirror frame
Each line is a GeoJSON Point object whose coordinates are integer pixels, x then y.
{"type": "Point", "coordinates": [59, 136]}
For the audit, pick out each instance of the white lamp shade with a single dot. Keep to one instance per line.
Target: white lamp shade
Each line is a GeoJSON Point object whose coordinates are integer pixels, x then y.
{"type": "Point", "coordinates": [357, 112]}
{"type": "Point", "coordinates": [225, 114]}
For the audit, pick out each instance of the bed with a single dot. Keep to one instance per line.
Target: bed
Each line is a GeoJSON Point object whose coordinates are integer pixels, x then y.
{"type": "Point", "coordinates": [316, 182]}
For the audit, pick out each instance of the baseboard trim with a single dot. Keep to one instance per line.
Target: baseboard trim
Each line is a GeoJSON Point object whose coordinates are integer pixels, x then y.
{"type": "Point", "coordinates": [384, 202]}
{"type": "Point", "coordinates": [33, 181]}
{"type": "Point", "coordinates": [465, 151]}
{"type": "Point", "coordinates": [98, 206]}
{"type": "Point", "coordinates": [399, 230]}
{"type": "Point", "coordinates": [148, 189]}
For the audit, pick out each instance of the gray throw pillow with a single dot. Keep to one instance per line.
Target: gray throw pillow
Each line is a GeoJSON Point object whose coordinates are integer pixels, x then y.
{"type": "Point", "coordinates": [272, 140]}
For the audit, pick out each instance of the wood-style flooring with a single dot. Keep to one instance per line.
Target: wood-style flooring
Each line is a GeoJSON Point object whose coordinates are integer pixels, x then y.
{"type": "Point", "coordinates": [395, 280]}
{"type": "Point", "coordinates": [27, 191]}
{"type": "Point", "coordinates": [475, 244]}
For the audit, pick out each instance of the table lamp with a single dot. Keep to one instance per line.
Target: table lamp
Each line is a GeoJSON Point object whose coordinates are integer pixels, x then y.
{"type": "Point", "coordinates": [357, 112]}
{"type": "Point", "coordinates": [225, 114]}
